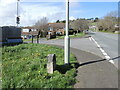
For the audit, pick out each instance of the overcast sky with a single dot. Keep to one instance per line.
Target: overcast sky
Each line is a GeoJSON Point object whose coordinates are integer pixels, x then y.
{"type": "Point", "coordinates": [32, 10]}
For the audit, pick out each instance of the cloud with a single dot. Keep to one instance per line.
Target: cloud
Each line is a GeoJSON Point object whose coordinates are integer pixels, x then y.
{"type": "Point", "coordinates": [70, 0]}
{"type": "Point", "coordinates": [8, 9]}
{"type": "Point", "coordinates": [72, 18]}
{"type": "Point", "coordinates": [29, 12]}
{"type": "Point", "coordinates": [6, 2]}
{"type": "Point", "coordinates": [34, 12]}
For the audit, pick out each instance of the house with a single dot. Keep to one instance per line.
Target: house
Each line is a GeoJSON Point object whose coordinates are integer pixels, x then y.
{"type": "Point", "coordinates": [116, 26]}
{"type": "Point", "coordinates": [26, 32]}
{"type": "Point", "coordinates": [60, 32]}
{"type": "Point", "coordinates": [58, 27]}
{"type": "Point", "coordinates": [28, 29]}
{"type": "Point", "coordinates": [94, 28]}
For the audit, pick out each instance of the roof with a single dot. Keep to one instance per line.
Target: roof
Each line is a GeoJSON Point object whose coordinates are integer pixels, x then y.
{"type": "Point", "coordinates": [34, 32]}
{"type": "Point", "coordinates": [27, 27]}
{"type": "Point", "coordinates": [57, 25]}
{"type": "Point", "coordinates": [25, 33]}
{"type": "Point", "coordinates": [30, 33]}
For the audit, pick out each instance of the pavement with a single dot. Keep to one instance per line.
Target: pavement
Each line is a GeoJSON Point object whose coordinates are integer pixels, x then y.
{"type": "Point", "coordinates": [93, 70]}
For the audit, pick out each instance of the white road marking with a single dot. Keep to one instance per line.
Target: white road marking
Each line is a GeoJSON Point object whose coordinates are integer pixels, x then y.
{"type": "Point", "coordinates": [90, 38]}
{"type": "Point", "coordinates": [103, 52]}
{"type": "Point", "coordinates": [111, 61]}
{"type": "Point", "coordinates": [107, 57]}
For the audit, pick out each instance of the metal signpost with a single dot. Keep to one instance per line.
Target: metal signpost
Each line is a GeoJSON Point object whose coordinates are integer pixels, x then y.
{"type": "Point", "coordinates": [67, 39]}
{"type": "Point", "coordinates": [18, 17]}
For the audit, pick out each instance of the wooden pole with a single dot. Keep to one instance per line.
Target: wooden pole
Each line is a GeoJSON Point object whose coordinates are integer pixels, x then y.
{"type": "Point", "coordinates": [37, 38]}
{"type": "Point", "coordinates": [32, 38]}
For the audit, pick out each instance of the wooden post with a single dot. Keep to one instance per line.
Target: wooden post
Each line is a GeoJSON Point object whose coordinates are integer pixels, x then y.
{"type": "Point", "coordinates": [37, 38]}
{"type": "Point", "coordinates": [32, 38]}
{"type": "Point", "coordinates": [51, 64]}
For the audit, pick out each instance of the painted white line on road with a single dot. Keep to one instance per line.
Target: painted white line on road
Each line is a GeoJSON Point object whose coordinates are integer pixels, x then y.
{"type": "Point", "coordinates": [111, 61]}
{"type": "Point", "coordinates": [107, 57]}
{"type": "Point", "coordinates": [97, 45]}
{"type": "Point", "coordinates": [90, 38]}
{"type": "Point", "coordinates": [103, 52]}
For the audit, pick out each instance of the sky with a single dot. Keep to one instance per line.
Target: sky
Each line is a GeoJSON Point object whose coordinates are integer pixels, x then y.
{"type": "Point", "coordinates": [31, 11]}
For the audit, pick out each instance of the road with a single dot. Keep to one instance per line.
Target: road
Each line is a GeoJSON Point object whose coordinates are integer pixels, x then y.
{"type": "Point", "coordinates": [109, 43]}
{"type": "Point", "coordinates": [83, 44]}
{"type": "Point", "coordinates": [92, 72]}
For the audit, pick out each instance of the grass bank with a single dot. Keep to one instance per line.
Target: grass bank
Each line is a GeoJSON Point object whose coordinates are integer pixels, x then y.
{"type": "Point", "coordinates": [78, 35]}
{"type": "Point", "coordinates": [24, 66]}
{"type": "Point", "coordinates": [109, 32]}
{"type": "Point", "coordinates": [29, 39]}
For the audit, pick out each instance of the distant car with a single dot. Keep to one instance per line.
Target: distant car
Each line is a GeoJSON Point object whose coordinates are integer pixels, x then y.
{"type": "Point", "coordinates": [59, 33]}
{"type": "Point", "coordinates": [86, 31]}
{"type": "Point", "coordinates": [71, 31]}
{"type": "Point", "coordinates": [51, 35]}
{"type": "Point", "coordinates": [24, 37]}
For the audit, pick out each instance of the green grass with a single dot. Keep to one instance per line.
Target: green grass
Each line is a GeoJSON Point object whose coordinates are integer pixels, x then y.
{"type": "Point", "coordinates": [71, 36]}
{"type": "Point", "coordinates": [93, 23]}
{"type": "Point", "coordinates": [0, 68]}
{"type": "Point", "coordinates": [24, 66]}
{"type": "Point", "coordinates": [29, 40]}
{"type": "Point", "coordinates": [109, 32]}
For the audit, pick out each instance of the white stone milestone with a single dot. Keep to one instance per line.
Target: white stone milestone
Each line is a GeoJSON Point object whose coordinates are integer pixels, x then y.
{"type": "Point", "coordinates": [51, 64]}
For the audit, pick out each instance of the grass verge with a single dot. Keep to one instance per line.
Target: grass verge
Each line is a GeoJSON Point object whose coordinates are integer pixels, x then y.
{"type": "Point", "coordinates": [29, 39]}
{"type": "Point", "coordinates": [78, 35]}
{"type": "Point", "coordinates": [109, 32]}
{"type": "Point", "coordinates": [24, 66]}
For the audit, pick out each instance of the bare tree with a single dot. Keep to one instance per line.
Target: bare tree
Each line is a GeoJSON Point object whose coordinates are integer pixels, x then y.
{"type": "Point", "coordinates": [42, 26]}
{"type": "Point", "coordinates": [79, 24]}
{"type": "Point", "coordinates": [108, 22]}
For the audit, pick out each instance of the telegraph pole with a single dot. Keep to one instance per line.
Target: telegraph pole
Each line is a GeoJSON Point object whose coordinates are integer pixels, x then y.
{"type": "Point", "coordinates": [67, 39]}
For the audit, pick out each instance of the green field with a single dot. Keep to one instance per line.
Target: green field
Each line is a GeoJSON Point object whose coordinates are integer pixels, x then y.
{"type": "Point", "coordinates": [24, 66]}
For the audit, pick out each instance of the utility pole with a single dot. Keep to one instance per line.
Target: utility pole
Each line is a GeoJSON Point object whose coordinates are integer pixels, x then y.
{"type": "Point", "coordinates": [18, 17]}
{"type": "Point", "coordinates": [67, 39]}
